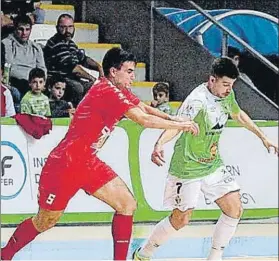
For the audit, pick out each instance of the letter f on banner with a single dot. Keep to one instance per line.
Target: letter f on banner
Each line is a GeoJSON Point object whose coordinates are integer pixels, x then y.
{"type": "Point", "coordinates": [5, 166]}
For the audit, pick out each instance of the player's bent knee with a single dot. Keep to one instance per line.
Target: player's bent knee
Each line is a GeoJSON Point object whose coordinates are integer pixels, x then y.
{"type": "Point", "coordinates": [239, 212]}
{"type": "Point", "coordinates": [235, 212]}
{"type": "Point", "coordinates": [126, 207]}
{"type": "Point", "coordinates": [180, 219]}
{"type": "Point", "coordinates": [46, 220]}
{"type": "Point", "coordinates": [46, 224]}
{"type": "Point", "coordinates": [184, 219]}
{"type": "Point", "coordinates": [130, 205]}
{"type": "Point", "coordinates": [133, 205]}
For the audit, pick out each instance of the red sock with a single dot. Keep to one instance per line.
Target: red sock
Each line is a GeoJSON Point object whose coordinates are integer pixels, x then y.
{"type": "Point", "coordinates": [24, 234]}
{"type": "Point", "coordinates": [121, 233]}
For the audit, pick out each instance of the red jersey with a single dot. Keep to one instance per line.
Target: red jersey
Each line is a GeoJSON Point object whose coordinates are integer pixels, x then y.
{"type": "Point", "coordinates": [95, 117]}
{"type": "Point", "coordinates": [7, 104]}
{"type": "Point", "coordinates": [3, 102]}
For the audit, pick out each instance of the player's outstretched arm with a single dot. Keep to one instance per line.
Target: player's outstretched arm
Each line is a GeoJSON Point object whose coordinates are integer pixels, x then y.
{"type": "Point", "coordinates": [157, 155]}
{"type": "Point", "coordinates": [153, 111]}
{"type": "Point", "coordinates": [243, 119]}
{"type": "Point", "coordinates": [151, 121]}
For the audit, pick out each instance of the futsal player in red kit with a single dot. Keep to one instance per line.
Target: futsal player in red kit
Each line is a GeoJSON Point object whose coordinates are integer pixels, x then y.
{"type": "Point", "coordinates": [74, 163]}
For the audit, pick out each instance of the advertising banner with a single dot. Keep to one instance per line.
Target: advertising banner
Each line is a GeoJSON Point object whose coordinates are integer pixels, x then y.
{"type": "Point", "coordinates": [23, 158]}
{"type": "Point", "coordinates": [245, 157]}
{"type": "Point", "coordinates": [16, 185]}
{"type": "Point", "coordinates": [128, 153]}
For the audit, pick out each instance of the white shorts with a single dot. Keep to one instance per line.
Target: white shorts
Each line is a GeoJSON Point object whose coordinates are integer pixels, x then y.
{"type": "Point", "coordinates": [184, 193]}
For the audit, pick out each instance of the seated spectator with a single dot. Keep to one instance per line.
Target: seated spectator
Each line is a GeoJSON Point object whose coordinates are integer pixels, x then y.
{"type": "Point", "coordinates": [34, 101]}
{"type": "Point", "coordinates": [6, 25]}
{"type": "Point", "coordinates": [161, 97]}
{"type": "Point", "coordinates": [13, 8]}
{"type": "Point", "coordinates": [39, 13]}
{"type": "Point", "coordinates": [59, 108]}
{"type": "Point", "coordinates": [235, 54]}
{"type": "Point", "coordinates": [22, 54]}
{"type": "Point", "coordinates": [7, 104]}
{"type": "Point", "coordinates": [63, 57]}
{"type": "Point", "coordinates": [14, 91]}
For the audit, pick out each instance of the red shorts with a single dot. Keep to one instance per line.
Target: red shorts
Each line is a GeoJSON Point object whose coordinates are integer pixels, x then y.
{"type": "Point", "coordinates": [60, 181]}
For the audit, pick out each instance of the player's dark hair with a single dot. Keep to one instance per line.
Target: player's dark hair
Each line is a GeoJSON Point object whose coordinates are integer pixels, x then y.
{"type": "Point", "coordinates": [54, 79]}
{"type": "Point", "coordinates": [22, 19]}
{"type": "Point", "coordinates": [224, 66]}
{"type": "Point", "coordinates": [115, 57]}
{"type": "Point", "coordinates": [36, 73]}
{"type": "Point", "coordinates": [161, 87]}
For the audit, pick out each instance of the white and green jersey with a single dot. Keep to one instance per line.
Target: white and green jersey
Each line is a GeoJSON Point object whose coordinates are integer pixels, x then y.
{"type": "Point", "coordinates": [198, 156]}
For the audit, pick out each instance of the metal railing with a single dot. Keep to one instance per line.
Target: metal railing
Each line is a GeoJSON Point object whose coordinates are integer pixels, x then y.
{"type": "Point", "coordinates": [151, 41]}
{"type": "Point", "coordinates": [227, 32]}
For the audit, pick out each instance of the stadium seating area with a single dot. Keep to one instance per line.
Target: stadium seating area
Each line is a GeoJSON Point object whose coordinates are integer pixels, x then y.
{"type": "Point", "coordinates": [87, 38]}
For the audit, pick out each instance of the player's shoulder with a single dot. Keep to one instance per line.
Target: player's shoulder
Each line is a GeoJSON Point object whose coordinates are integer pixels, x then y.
{"type": "Point", "coordinates": [101, 86]}
{"type": "Point", "coordinates": [104, 83]}
{"type": "Point", "coordinates": [198, 94]}
{"type": "Point", "coordinates": [107, 89]}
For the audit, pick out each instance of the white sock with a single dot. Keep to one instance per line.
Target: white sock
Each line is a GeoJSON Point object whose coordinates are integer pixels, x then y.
{"type": "Point", "coordinates": [161, 233]}
{"type": "Point", "coordinates": [224, 231]}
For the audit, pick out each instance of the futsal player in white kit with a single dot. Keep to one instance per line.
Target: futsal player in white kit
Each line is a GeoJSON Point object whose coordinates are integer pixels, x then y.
{"type": "Point", "coordinates": [196, 164]}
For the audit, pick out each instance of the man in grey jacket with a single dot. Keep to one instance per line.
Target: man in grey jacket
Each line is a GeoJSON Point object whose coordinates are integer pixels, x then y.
{"type": "Point", "coordinates": [22, 54]}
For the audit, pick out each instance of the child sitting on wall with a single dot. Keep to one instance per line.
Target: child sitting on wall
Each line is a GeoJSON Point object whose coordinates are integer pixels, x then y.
{"type": "Point", "coordinates": [59, 107]}
{"type": "Point", "coordinates": [34, 101]}
{"type": "Point", "coordinates": [161, 97]}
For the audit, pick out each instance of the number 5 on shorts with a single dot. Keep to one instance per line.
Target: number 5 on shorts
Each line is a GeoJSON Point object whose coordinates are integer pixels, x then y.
{"type": "Point", "coordinates": [50, 199]}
